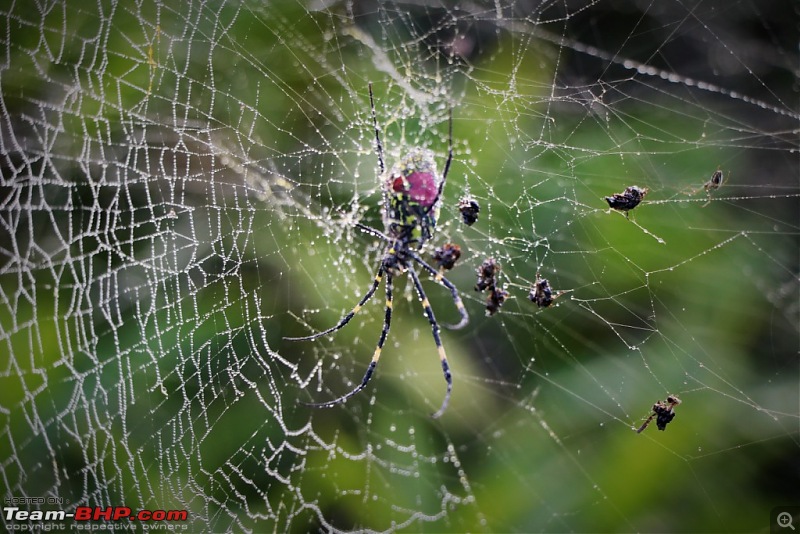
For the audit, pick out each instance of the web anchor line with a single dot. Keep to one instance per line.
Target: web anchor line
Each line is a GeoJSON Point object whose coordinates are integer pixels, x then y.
{"type": "Point", "coordinates": [642, 68]}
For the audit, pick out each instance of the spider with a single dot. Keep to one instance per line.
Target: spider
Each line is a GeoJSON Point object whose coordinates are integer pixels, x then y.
{"type": "Point", "coordinates": [628, 199]}
{"type": "Point", "coordinates": [713, 183]}
{"type": "Point", "coordinates": [664, 411]}
{"type": "Point", "coordinates": [411, 194]}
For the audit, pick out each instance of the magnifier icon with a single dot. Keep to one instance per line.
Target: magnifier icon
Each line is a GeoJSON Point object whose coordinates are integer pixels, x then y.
{"type": "Point", "coordinates": [785, 520]}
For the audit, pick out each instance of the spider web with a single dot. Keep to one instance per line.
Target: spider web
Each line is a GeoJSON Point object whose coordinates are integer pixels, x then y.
{"type": "Point", "coordinates": [181, 185]}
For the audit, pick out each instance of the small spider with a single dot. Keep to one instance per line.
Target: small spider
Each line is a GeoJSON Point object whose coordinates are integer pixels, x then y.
{"type": "Point", "coordinates": [446, 256]}
{"type": "Point", "coordinates": [714, 182]}
{"type": "Point", "coordinates": [628, 199]}
{"type": "Point", "coordinates": [541, 292]}
{"type": "Point", "coordinates": [469, 209]}
{"type": "Point", "coordinates": [664, 411]}
{"type": "Point", "coordinates": [486, 274]}
{"type": "Point", "coordinates": [411, 194]}
{"type": "Point", "coordinates": [495, 299]}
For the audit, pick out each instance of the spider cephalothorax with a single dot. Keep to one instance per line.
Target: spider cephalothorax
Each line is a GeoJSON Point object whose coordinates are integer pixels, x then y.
{"type": "Point", "coordinates": [411, 195]}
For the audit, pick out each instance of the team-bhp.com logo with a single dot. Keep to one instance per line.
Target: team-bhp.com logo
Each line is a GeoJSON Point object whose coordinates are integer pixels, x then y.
{"type": "Point", "coordinates": [92, 513]}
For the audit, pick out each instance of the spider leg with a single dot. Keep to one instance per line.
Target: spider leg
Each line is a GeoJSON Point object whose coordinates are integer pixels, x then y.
{"type": "Point", "coordinates": [379, 145]}
{"type": "Point", "coordinates": [346, 318]}
{"type": "Point", "coordinates": [387, 321]}
{"type": "Point", "coordinates": [435, 330]}
{"type": "Point", "coordinates": [439, 277]}
{"type": "Point", "coordinates": [449, 156]}
{"type": "Point", "coordinates": [377, 131]}
{"type": "Point", "coordinates": [373, 232]}
{"type": "Point", "coordinates": [446, 164]}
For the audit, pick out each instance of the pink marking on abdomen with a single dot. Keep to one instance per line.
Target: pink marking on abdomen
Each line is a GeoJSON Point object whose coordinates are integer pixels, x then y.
{"type": "Point", "coordinates": [422, 188]}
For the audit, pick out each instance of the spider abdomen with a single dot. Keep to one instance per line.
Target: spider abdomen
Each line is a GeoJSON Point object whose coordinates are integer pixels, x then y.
{"type": "Point", "coordinates": [415, 175]}
{"type": "Point", "coordinates": [412, 191]}
{"type": "Point", "coordinates": [421, 187]}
